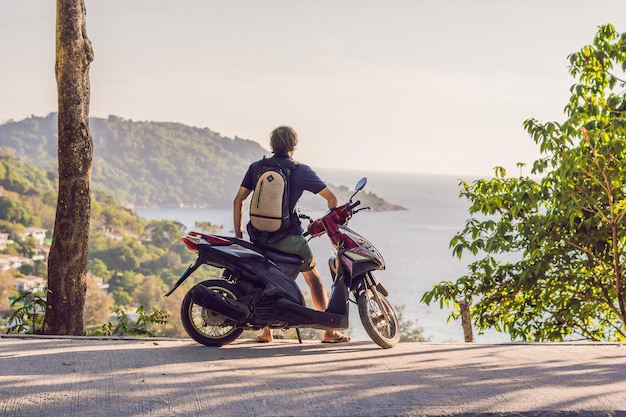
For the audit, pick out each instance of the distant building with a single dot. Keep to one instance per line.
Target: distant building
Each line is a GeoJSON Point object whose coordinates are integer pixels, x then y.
{"type": "Point", "coordinates": [13, 262]}
{"type": "Point", "coordinates": [40, 254]}
{"type": "Point", "coordinates": [30, 283]}
{"type": "Point", "coordinates": [37, 233]}
{"type": "Point", "coordinates": [5, 241]}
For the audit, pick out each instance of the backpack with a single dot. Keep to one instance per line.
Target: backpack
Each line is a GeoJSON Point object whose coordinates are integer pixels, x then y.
{"type": "Point", "coordinates": [269, 206]}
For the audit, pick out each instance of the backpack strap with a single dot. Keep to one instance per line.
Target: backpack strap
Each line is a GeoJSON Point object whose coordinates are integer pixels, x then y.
{"type": "Point", "coordinates": [287, 164]}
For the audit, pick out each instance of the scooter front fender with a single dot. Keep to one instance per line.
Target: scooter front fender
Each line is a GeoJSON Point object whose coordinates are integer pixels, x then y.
{"type": "Point", "coordinates": [359, 284]}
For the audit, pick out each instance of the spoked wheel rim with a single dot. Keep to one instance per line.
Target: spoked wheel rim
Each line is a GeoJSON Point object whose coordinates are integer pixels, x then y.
{"type": "Point", "coordinates": [206, 326]}
{"type": "Point", "coordinates": [379, 319]}
{"type": "Point", "coordinates": [209, 323]}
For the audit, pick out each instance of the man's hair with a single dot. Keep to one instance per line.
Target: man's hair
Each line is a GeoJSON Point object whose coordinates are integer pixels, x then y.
{"type": "Point", "coordinates": [283, 140]}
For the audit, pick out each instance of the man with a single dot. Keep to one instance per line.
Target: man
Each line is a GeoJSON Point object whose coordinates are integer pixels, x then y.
{"type": "Point", "coordinates": [283, 141]}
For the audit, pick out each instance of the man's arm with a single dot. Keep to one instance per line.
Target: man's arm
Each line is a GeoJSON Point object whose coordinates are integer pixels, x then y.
{"type": "Point", "coordinates": [241, 196]}
{"type": "Point", "coordinates": [330, 197]}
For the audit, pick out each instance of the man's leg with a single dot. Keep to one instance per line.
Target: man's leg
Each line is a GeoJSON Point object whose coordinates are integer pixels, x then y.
{"type": "Point", "coordinates": [318, 294]}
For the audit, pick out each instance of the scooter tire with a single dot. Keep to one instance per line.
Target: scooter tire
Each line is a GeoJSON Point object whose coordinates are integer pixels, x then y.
{"type": "Point", "coordinates": [385, 333]}
{"type": "Point", "coordinates": [205, 326]}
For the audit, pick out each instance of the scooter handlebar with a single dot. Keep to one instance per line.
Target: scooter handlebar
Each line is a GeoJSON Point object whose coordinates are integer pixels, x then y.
{"type": "Point", "coordinates": [352, 206]}
{"type": "Point", "coordinates": [338, 216]}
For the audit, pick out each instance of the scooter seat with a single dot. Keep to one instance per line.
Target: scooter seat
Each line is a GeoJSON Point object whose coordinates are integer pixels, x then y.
{"type": "Point", "coordinates": [281, 257]}
{"type": "Point", "coordinates": [273, 254]}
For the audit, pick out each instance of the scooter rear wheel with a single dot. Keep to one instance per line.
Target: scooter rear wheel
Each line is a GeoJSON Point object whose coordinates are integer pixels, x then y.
{"type": "Point", "coordinates": [379, 319]}
{"type": "Point", "coordinates": [206, 326]}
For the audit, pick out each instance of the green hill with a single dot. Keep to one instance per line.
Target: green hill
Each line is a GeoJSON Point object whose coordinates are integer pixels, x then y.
{"type": "Point", "coordinates": [154, 164]}
{"type": "Point", "coordinates": [28, 198]}
{"type": "Point", "coordinates": [145, 164]}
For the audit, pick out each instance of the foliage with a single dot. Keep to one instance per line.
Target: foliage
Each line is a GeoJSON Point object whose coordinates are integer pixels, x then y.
{"type": "Point", "coordinates": [28, 195]}
{"type": "Point", "coordinates": [107, 214]}
{"type": "Point", "coordinates": [7, 290]}
{"type": "Point", "coordinates": [161, 233]}
{"type": "Point", "coordinates": [409, 331]}
{"type": "Point", "coordinates": [29, 314]}
{"type": "Point", "coordinates": [207, 227]}
{"type": "Point", "coordinates": [124, 326]}
{"type": "Point", "coordinates": [98, 303]}
{"type": "Point", "coordinates": [549, 252]}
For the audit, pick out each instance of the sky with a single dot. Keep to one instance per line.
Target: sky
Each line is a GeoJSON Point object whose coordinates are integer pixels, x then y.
{"type": "Point", "coordinates": [439, 87]}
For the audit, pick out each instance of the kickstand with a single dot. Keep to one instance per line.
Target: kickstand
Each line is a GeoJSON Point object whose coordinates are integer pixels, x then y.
{"type": "Point", "coordinates": [298, 333]}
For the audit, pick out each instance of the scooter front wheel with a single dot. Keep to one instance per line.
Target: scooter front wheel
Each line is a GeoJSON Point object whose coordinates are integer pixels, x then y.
{"type": "Point", "coordinates": [378, 318]}
{"type": "Point", "coordinates": [206, 326]}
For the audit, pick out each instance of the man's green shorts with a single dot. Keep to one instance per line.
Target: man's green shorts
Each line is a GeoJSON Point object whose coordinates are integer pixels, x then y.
{"type": "Point", "coordinates": [297, 245]}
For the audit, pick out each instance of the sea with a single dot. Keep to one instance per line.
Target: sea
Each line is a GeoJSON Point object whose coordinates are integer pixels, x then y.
{"type": "Point", "coordinates": [414, 242]}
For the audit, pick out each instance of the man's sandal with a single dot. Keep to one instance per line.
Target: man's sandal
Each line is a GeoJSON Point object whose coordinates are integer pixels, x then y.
{"type": "Point", "coordinates": [340, 339]}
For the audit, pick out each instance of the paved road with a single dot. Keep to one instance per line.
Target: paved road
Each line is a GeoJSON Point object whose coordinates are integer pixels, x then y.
{"type": "Point", "coordinates": [177, 377]}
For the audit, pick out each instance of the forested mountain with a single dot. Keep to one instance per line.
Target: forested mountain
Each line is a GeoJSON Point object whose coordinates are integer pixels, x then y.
{"type": "Point", "coordinates": [152, 164]}
{"type": "Point", "coordinates": [28, 198]}
{"type": "Point", "coordinates": [145, 163]}
{"type": "Point", "coordinates": [27, 195]}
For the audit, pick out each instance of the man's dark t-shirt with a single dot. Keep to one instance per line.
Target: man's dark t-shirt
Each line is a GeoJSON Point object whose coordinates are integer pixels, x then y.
{"type": "Point", "coordinates": [302, 179]}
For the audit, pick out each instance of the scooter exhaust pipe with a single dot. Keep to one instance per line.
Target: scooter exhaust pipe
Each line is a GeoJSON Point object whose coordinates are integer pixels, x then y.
{"type": "Point", "coordinates": [217, 302]}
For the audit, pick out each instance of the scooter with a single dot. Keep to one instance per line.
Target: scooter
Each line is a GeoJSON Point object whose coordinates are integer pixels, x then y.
{"type": "Point", "coordinates": [257, 287]}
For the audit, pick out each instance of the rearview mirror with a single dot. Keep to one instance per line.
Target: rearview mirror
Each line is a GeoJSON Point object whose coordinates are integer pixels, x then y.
{"type": "Point", "coordinates": [361, 184]}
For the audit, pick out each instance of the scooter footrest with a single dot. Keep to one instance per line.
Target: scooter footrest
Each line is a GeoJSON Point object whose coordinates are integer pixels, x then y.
{"type": "Point", "coordinates": [301, 316]}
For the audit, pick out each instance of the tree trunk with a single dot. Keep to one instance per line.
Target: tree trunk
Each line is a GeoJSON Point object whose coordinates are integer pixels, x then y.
{"type": "Point", "coordinates": [67, 262]}
{"type": "Point", "coordinates": [466, 321]}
